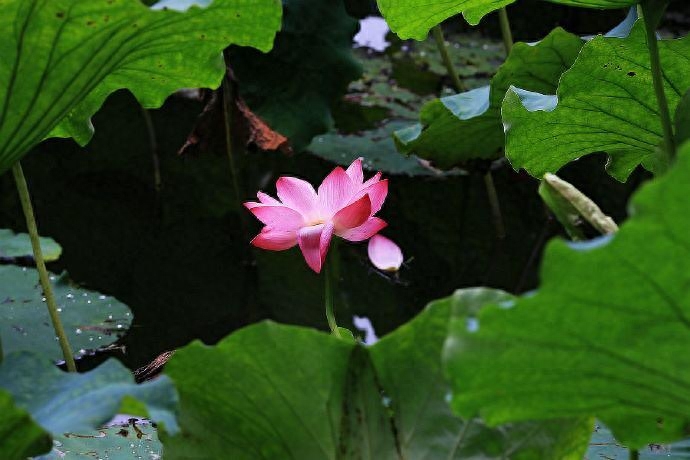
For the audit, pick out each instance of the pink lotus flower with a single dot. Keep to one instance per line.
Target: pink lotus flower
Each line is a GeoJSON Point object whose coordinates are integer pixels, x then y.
{"type": "Point", "coordinates": [344, 206]}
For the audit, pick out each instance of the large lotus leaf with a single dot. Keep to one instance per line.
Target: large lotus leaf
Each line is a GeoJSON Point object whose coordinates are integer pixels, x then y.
{"type": "Point", "coordinates": [20, 436]}
{"type": "Point", "coordinates": [409, 370]}
{"type": "Point", "coordinates": [604, 335]}
{"type": "Point", "coordinates": [465, 126]}
{"type": "Point", "coordinates": [294, 86]}
{"type": "Point", "coordinates": [267, 391]}
{"type": "Point", "coordinates": [410, 19]}
{"type": "Point", "coordinates": [14, 245]}
{"type": "Point", "coordinates": [605, 102]}
{"type": "Point", "coordinates": [275, 391]}
{"type": "Point", "coordinates": [91, 320]}
{"type": "Point", "coordinates": [62, 58]}
{"type": "Point", "coordinates": [64, 402]}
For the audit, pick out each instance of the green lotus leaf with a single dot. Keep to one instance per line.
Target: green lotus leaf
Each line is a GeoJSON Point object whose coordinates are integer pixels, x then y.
{"type": "Point", "coordinates": [116, 441]}
{"type": "Point", "coordinates": [605, 103]}
{"type": "Point", "coordinates": [91, 320]}
{"type": "Point", "coordinates": [276, 391]}
{"type": "Point", "coordinates": [683, 119]}
{"type": "Point", "coordinates": [64, 402]}
{"type": "Point", "coordinates": [600, 4]}
{"type": "Point", "coordinates": [294, 87]}
{"type": "Point", "coordinates": [62, 58]}
{"type": "Point", "coordinates": [20, 436]}
{"type": "Point", "coordinates": [14, 246]}
{"type": "Point", "coordinates": [466, 126]}
{"type": "Point", "coordinates": [409, 19]}
{"type": "Point", "coordinates": [604, 335]}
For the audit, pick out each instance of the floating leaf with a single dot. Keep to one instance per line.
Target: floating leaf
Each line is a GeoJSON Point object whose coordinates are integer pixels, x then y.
{"type": "Point", "coordinates": [91, 320]}
{"type": "Point", "coordinates": [605, 102]}
{"type": "Point", "coordinates": [294, 86]}
{"type": "Point", "coordinates": [604, 335]}
{"type": "Point", "coordinates": [14, 246]}
{"type": "Point", "coordinates": [64, 402]}
{"type": "Point", "coordinates": [20, 437]}
{"type": "Point", "coordinates": [604, 446]}
{"type": "Point", "coordinates": [246, 398]}
{"type": "Point", "coordinates": [62, 59]}
{"type": "Point", "coordinates": [407, 21]}
{"type": "Point", "coordinates": [119, 441]}
{"type": "Point", "coordinates": [376, 146]}
{"type": "Point", "coordinates": [465, 126]}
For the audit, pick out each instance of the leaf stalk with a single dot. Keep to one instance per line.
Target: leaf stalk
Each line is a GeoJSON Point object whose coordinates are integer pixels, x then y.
{"type": "Point", "coordinates": [25, 198]}
{"type": "Point", "coordinates": [651, 11]}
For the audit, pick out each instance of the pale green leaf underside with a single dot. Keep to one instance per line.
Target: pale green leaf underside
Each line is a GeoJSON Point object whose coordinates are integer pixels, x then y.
{"type": "Point", "coordinates": [91, 320]}
{"type": "Point", "coordinates": [66, 402]}
{"type": "Point", "coordinates": [606, 334]}
{"type": "Point", "coordinates": [412, 19]}
{"type": "Point", "coordinates": [466, 126]}
{"type": "Point", "coordinates": [275, 391]}
{"type": "Point", "coordinates": [17, 245]}
{"type": "Point", "coordinates": [60, 59]}
{"type": "Point", "coordinates": [606, 103]}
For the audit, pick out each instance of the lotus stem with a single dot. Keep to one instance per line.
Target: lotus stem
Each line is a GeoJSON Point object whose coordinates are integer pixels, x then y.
{"type": "Point", "coordinates": [506, 33]}
{"type": "Point", "coordinates": [491, 192]}
{"type": "Point", "coordinates": [634, 454]}
{"type": "Point", "coordinates": [153, 145]}
{"type": "Point", "coordinates": [658, 81]}
{"type": "Point", "coordinates": [332, 275]}
{"type": "Point", "coordinates": [495, 205]}
{"type": "Point", "coordinates": [44, 278]}
{"type": "Point", "coordinates": [437, 32]}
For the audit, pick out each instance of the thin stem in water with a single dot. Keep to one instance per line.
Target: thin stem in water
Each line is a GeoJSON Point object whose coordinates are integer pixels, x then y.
{"type": "Point", "coordinates": [658, 81]}
{"type": "Point", "coordinates": [437, 32]}
{"type": "Point", "coordinates": [153, 144]}
{"type": "Point", "coordinates": [25, 199]}
{"type": "Point", "coordinates": [494, 203]}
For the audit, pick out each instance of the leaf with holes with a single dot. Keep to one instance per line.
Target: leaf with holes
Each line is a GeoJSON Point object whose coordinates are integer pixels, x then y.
{"type": "Point", "coordinates": [467, 126]}
{"type": "Point", "coordinates": [62, 58]}
{"type": "Point", "coordinates": [606, 334]}
{"type": "Point", "coordinates": [605, 103]}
